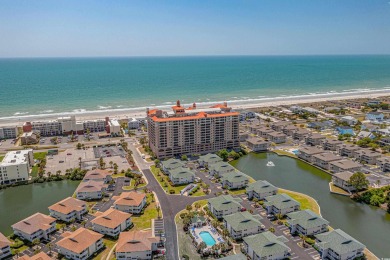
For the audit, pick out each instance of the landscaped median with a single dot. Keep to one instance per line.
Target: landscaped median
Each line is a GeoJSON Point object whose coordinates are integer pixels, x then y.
{"type": "Point", "coordinates": [166, 183]}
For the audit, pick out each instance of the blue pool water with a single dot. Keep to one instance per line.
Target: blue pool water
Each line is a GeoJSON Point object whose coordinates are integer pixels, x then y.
{"type": "Point", "coordinates": [207, 238]}
{"type": "Point", "coordinates": [295, 152]}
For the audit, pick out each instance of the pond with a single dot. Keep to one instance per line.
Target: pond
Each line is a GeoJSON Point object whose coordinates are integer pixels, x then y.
{"type": "Point", "coordinates": [367, 224]}
{"type": "Point", "coordinates": [17, 203]}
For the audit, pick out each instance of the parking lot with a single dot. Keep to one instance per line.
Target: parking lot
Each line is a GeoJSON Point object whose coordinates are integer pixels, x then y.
{"type": "Point", "coordinates": [108, 151]}
{"type": "Point", "coordinates": [67, 159]}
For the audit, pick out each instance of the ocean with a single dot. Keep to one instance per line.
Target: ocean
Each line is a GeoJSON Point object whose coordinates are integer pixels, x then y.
{"type": "Point", "coordinates": [66, 86]}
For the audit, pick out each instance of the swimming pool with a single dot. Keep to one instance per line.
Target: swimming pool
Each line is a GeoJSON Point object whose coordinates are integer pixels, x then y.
{"type": "Point", "coordinates": [296, 152]}
{"type": "Point", "coordinates": [207, 238]}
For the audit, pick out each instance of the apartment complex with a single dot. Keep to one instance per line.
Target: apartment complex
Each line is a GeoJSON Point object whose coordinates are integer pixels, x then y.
{"type": "Point", "coordinates": [37, 226]}
{"type": "Point", "coordinates": [192, 130]}
{"type": "Point", "coordinates": [15, 166]}
{"type": "Point", "coordinates": [68, 210]}
{"type": "Point", "coordinates": [8, 132]}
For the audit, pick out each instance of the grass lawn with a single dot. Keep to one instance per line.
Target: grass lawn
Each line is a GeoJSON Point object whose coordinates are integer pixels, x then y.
{"type": "Point", "coordinates": [34, 171]}
{"type": "Point", "coordinates": [109, 243]}
{"type": "Point", "coordinates": [118, 175]}
{"type": "Point", "coordinates": [281, 152]}
{"type": "Point", "coordinates": [131, 186]}
{"type": "Point", "coordinates": [145, 220]}
{"type": "Point", "coordinates": [1, 157]}
{"type": "Point", "coordinates": [40, 155]}
{"type": "Point", "coordinates": [306, 201]}
{"type": "Point", "coordinates": [334, 188]}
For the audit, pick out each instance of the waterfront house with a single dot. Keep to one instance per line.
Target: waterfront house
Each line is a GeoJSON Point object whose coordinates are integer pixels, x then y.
{"type": "Point", "coordinates": [322, 160]}
{"type": "Point", "coordinates": [266, 246]}
{"type": "Point", "coordinates": [180, 176]}
{"type": "Point", "coordinates": [91, 190]}
{"type": "Point", "coordinates": [338, 245]}
{"type": "Point", "coordinates": [314, 139]}
{"type": "Point", "coordinates": [37, 226]}
{"type": "Point", "coordinates": [171, 164]}
{"type": "Point", "coordinates": [375, 116]}
{"type": "Point", "coordinates": [39, 256]}
{"type": "Point", "coordinates": [224, 205]}
{"type": "Point", "coordinates": [138, 245]}
{"type": "Point", "coordinates": [276, 137]}
{"type": "Point", "coordinates": [366, 156]}
{"type": "Point", "coordinates": [234, 180]}
{"type": "Point", "coordinates": [264, 131]}
{"type": "Point", "coordinates": [256, 144]}
{"type": "Point", "coordinates": [98, 175]}
{"type": "Point", "coordinates": [344, 130]}
{"type": "Point", "coordinates": [344, 165]}
{"type": "Point", "coordinates": [260, 190]}
{"type": "Point", "coordinates": [307, 152]}
{"type": "Point", "coordinates": [350, 120]}
{"type": "Point", "coordinates": [289, 130]}
{"type": "Point", "coordinates": [295, 109]}
{"type": "Point", "coordinates": [220, 168]}
{"type": "Point", "coordinates": [68, 210]}
{"type": "Point", "coordinates": [278, 126]}
{"type": "Point", "coordinates": [347, 149]}
{"type": "Point", "coordinates": [281, 204]}
{"type": "Point", "coordinates": [307, 223]}
{"type": "Point", "coordinates": [242, 224]}
{"type": "Point", "coordinates": [383, 163]}
{"type": "Point", "coordinates": [111, 222]}
{"type": "Point", "coordinates": [246, 114]}
{"type": "Point", "coordinates": [209, 159]}
{"type": "Point", "coordinates": [80, 244]}
{"type": "Point", "coordinates": [5, 249]}
{"type": "Point", "coordinates": [341, 179]}
{"type": "Point", "coordinates": [130, 202]}
{"type": "Point", "coordinates": [330, 144]}
{"type": "Point", "coordinates": [243, 136]}
{"type": "Point", "coordinates": [300, 134]}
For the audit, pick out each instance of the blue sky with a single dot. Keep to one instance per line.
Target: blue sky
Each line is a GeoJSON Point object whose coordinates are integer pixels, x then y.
{"type": "Point", "coordinates": [46, 28]}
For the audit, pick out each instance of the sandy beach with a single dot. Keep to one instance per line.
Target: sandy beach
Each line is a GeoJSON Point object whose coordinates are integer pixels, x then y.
{"type": "Point", "coordinates": [241, 104]}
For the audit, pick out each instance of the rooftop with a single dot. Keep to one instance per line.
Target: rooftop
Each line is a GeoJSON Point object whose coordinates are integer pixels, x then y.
{"type": "Point", "coordinates": [136, 241]}
{"type": "Point", "coordinates": [97, 174]}
{"type": "Point", "coordinates": [172, 163]}
{"type": "Point", "coordinates": [111, 218]}
{"type": "Point", "coordinates": [91, 186]}
{"type": "Point", "coordinates": [345, 164]}
{"type": "Point", "coordinates": [243, 220]}
{"type": "Point", "coordinates": [281, 201]}
{"type": "Point", "coordinates": [4, 241]}
{"type": "Point", "coordinates": [79, 240]}
{"type": "Point", "coordinates": [311, 150]}
{"type": "Point", "coordinates": [68, 205]}
{"type": "Point", "coordinates": [306, 219]}
{"type": "Point", "coordinates": [339, 241]}
{"type": "Point", "coordinates": [327, 157]}
{"type": "Point", "coordinates": [130, 198]}
{"type": "Point", "coordinates": [181, 173]}
{"type": "Point", "coordinates": [234, 177]}
{"type": "Point", "coordinates": [210, 157]}
{"type": "Point", "coordinates": [36, 222]}
{"type": "Point", "coordinates": [39, 256]}
{"type": "Point", "coordinates": [345, 175]}
{"type": "Point", "coordinates": [267, 244]}
{"type": "Point", "coordinates": [261, 187]}
{"type": "Point", "coordinates": [225, 202]}
{"type": "Point", "coordinates": [15, 157]}
{"type": "Point", "coordinates": [222, 166]}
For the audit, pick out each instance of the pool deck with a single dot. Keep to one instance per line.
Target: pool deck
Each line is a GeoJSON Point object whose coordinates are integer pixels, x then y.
{"type": "Point", "coordinates": [218, 239]}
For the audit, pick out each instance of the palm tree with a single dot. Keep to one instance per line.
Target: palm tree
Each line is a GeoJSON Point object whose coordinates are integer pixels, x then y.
{"type": "Point", "coordinates": [152, 195]}
{"type": "Point", "coordinates": [189, 207]}
{"type": "Point", "coordinates": [83, 223]}
{"type": "Point", "coordinates": [158, 209]}
{"type": "Point", "coordinates": [202, 246]}
{"type": "Point", "coordinates": [197, 206]}
{"type": "Point", "coordinates": [111, 163]}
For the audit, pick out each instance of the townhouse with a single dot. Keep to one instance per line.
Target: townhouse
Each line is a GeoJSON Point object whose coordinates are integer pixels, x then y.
{"type": "Point", "coordinates": [80, 244]}
{"type": "Point", "coordinates": [5, 247]}
{"type": "Point", "coordinates": [366, 156]}
{"type": "Point", "coordinates": [224, 205]}
{"type": "Point", "coordinates": [256, 144]}
{"type": "Point", "coordinates": [278, 126]}
{"type": "Point", "coordinates": [180, 176]}
{"type": "Point", "coordinates": [91, 190]}
{"type": "Point", "coordinates": [208, 159]}
{"type": "Point", "coordinates": [338, 245]}
{"type": "Point", "coordinates": [347, 149]}
{"type": "Point", "coordinates": [323, 160]}
{"type": "Point", "coordinates": [39, 256]}
{"type": "Point", "coordinates": [277, 137]}
{"type": "Point", "coordinates": [98, 175]}
{"type": "Point", "coordinates": [260, 190]}
{"type": "Point", "coordinates": [242, 224]}
{"type": "Point", "coordinates": [111, 222]}
{"type": "Point", "coordinates": [344, 165]}
{"type": "Point", "coordinates": [383, 163]}
{"type": "Point", "coordinates": [140, 245]}
{"type": "Point", "coordinates": [307, 223]}
{"type": "Point", "coordinates": [300, 134]}
{"type": "Point", "coordinates": [341, 179]}
{"type": "Point", "coordinates": [331, 144]}
{"type": "Point", "coordinates": [314, 139]}
{"type": "Point", "coordinates": [266, 246]}
{"type": "Point", "coordinates": [289, 130]}
{"type": "Point", "coordinates": [281, 204]}
{"type": "Point", "coordinates": [68, 210]}
{"type": "Point", "coordinates": [307, 152]}
{"type": "Point", "coordinates": [234, 180]}
{"type": "Point", "coordinates": [130, 202]}
{"type": "Point", "coordinates": [220, 168]}
{"type": "Point", "coordinates": [264, 131]}
{"type": "Point", "coordinates": [171, 164]}
{"type": "Point", "coordinates": [37, 226]}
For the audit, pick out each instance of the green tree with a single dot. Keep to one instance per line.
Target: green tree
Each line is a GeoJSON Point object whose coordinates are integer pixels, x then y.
{"type": "Point", "coordinates": [359, 181]}
{"type": "Point", "coordinates": [184, 157]}
{"type": "Point", "coordinates": [223, 154]}
{"type": "Point", "coordinates": [79, 146]}
{"type": "Point", "coordinates": [189, 207]}
{"type": "Point", "coordinates": [35, 243]}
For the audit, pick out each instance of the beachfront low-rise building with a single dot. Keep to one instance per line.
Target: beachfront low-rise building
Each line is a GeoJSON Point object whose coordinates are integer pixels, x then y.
{"type": "Point", "coordinates": [171, 164]}
{"type": "Point", "coordinates": [91, 190]}
{"type": "Point", "coordinates": [347, 149]}
{"type": "Point", "coordinates": [15, 166]}
{"type": "Point", "coordinates": [80, 244]}
{"type": "Point", "coordinates": [366, 156]}
{"type": "Point", "coordinates": [113, 127]}
{"type": "Point", "coordinates": [220, 168]}
{"type": "Point", "coordinates": [307, 223]}
{"type": "Point", "coordinates": [257, 145]}
{"type": "Point", "coordinates": [341, 179]}
{"type": "Point", "coordinates": [260, 190]}
{"type": "Point", "coordinates": [180, 176]}
{"type": "Point", "coordinates": [344, 165]}
{"type": "Point", "coordinates": [307, 152]}
{"type": "Point", "coordinates": [5, 247]}
{"type": "Point", "coordinates": [111, 222]}
{"type": "Point", "coordinates": [8, 132]}
{"type": "Point", "coordinates": [68, 210]}
{"type": "Point", "coordinates": [234, 180]}
{"type": "Point", "coordinates": [98, 175]}
{"type": "Point", "coordinates": [37, 226]}
{"type": "Point", "coordinates": [331, 144]}
{"type": "Point", "coordinates": [266, 246]}
{"type": "Point", "coordinates": [383, 163]}
{"type": "Point", "coordinates": [242, 224]}
{"type": "Point", "coordinates": [314, 139]}
{"type": "Point", "coordinates": [375, 116]}
{"type": "Point", "coordinates": [140, 245]}
{"type": "Point", "coordinates": [323, 160]}
{"type": "Point", "coordinates": [277, 137]}
{"type": "Point", "coordinates": [39, 256]}
{"type": "Point", "coordinates": [224, 205]}
{"type": "Point", "coordinates": [281, 204]}
{"type": "Point", "coordinates": [208, 160]}
{"type": "Point", "coordinates": [300, 134]}
{"type": "Point", "coordinates": [338, 245]}
{"type": "Point", "coordinates": [131, 202]}
{"type": "Point", "coordinates": [29, 138]}
{"type": "Point", "coordinates": [133, 123]}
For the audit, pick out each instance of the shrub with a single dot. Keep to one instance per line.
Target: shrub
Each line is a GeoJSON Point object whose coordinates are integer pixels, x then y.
{"type": "Point", "coordinates": [18, 243]}
{"type": "Point", "coordinates": [171, 191]}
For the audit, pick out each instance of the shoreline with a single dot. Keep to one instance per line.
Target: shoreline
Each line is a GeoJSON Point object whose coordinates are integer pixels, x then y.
{"type": "Point", "coordinates": [126, 113]}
